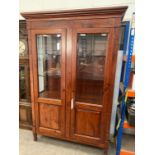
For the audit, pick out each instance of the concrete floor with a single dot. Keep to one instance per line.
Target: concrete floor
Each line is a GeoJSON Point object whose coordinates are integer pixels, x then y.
{"type": "Point", "coordinates": [50, 146]}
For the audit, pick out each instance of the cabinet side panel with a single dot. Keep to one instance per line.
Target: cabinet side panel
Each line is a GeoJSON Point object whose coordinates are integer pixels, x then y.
{"type": "Point", "coordinates": [112, 63]}
{"type": "Point", "coordinates": [31, 77]}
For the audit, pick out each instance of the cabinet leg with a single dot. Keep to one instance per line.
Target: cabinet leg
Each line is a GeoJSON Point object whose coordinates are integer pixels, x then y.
{"type": "Point", "coordinates": [35, 136]}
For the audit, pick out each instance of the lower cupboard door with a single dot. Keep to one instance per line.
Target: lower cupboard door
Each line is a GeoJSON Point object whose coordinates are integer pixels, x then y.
{"type": "Point", "coordinates": [50, 119]}
{"type": "Point", "coordinates": [87, 124]}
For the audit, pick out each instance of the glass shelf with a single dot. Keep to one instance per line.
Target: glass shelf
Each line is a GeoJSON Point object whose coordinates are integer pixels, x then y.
{"type": "Point", "coordinates": [52, 72]}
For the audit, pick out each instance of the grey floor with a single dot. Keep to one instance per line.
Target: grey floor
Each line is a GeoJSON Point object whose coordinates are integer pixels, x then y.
{"type": "Point", "coordinates": [50, 146]}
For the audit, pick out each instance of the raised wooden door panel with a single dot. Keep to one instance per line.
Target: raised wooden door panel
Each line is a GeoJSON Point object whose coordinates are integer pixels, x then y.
{"type": "Point", "coordinates": [91, 59]}
{"type": "Point", "coordinates": [86, 123]}
{"type": "Point", "coordinates": [25, 116]}
{"type": "Point", "coordinates": [48, 52]}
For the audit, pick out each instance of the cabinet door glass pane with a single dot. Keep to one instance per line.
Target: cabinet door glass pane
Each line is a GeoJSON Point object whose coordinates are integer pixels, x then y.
{"type": "Point", "coordinates": [49, 65]}
{"type": "Point", "coordinates": [91, 54]}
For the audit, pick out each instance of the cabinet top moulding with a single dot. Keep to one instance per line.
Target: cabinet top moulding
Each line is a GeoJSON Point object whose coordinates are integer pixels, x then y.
{"type": "Point", "coordinates": [96, 12]}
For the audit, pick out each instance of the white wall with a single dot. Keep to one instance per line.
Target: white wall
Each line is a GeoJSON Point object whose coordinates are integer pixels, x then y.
{"type": "Point", "coordinates": [50, 5]}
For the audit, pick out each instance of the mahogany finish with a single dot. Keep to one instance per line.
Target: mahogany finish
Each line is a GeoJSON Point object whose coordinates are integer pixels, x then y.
{"type": "Point", "coordinates": [77, 115]}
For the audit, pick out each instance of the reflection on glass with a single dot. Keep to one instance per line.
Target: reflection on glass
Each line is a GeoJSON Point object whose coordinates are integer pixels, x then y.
{"type": "Point", "coordinates": [24, 83]}
{"type": "Point", "coordinates": [91, 54]}
{"type": "Point", "coordinates": [49, 66]}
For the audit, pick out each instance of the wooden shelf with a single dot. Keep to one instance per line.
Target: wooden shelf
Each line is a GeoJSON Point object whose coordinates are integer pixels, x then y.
{"type": "Point", "coordinates": [131, 93]}
{"type": "Point", "coordinates": [124, 152]}
{"type": "Point", "coordinates": [125, 58]}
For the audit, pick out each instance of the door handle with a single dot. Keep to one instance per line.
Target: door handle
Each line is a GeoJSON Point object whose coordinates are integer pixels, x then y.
{"type": "Point", "coordinates": [72, 103]}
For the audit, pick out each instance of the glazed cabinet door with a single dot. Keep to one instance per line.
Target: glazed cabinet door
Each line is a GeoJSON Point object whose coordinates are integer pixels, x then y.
{"type": "Point", "coordinates": [92, 49]}
{"type": "Point", "coordinates": [48, 52]}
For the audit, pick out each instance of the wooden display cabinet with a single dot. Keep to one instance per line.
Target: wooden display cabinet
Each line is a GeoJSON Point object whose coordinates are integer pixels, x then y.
{"type": "Point", "coordinates": [72, 64]}
{"type": "Point", "coordinates": [25, 111]}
